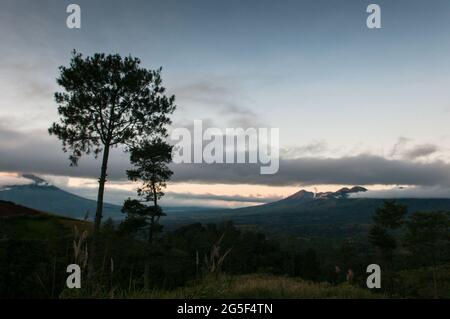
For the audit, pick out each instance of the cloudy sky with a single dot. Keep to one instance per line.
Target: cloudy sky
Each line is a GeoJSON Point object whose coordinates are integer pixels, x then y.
{"type": "Point", "coordinates": [353, 105]}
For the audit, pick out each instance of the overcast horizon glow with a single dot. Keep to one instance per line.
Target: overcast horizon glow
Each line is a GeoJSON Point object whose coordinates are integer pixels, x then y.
{"type": "Point", "coordinates": [354, 106]}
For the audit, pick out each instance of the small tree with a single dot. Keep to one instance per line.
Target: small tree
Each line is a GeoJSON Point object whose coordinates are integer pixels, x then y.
{"type": "Point", "coordinates": [150, 162]}
{"type": "Point", "coordinates": [384, 241]}
{"type": "Point", "coordinates": [387, 219]}
{"type": "Point", "coordinates": [391, 215]}
{"type": "Point", "coordinates": [108, 101]}
{"type": "Point", "coordinates": [428, 233]}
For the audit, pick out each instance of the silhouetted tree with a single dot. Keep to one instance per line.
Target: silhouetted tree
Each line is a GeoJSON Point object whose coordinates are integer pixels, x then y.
{"type": "Point", "coordinates": [150, 161]}
{"type": "Point", "coordinates": [108, 101]}
{"type": "Point", "coordinates": [428, 233]}
{"type": "Point", "coordinates": [391, 215]}
{"type": "Point", "coordinates": [387, 219]}
{"type": "Point", "coordinates": [307, 265]}
{"type": "Point", "coordinates": [384, 241]}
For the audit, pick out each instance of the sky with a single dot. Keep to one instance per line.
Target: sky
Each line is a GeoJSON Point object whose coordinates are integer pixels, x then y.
{"type": "Point", "coordinates": [354, 105]}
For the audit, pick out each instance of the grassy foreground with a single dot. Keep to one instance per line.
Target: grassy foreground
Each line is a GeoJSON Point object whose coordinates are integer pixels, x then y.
{"type": "Point", "coordinates": [248, 287]}
{"type": "Point", "coordinates": [260, 286]}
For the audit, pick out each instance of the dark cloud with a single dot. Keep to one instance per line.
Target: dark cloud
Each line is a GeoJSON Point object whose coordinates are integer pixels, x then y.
{"type": "Point", "coordinates": [401, 142]}
{"type": "Point", "coordinates": [406, 192]}
{"type": "Point", "coordinates": [211, 94]}
{"type": "Point", "coordinates": [222, 96]}
{"type": "Point", "coordinates": [36, 152]}
{"type": "Point", "coordinates": [361, 169]}
{"type": "Point", "coordinates": [226, 198]}
{"type": "Point", "coordinates": [419, 151]}
{"type": "Point", "coordinates": [311, 149]}
{"type": "Point", "coordinates": [403, 150]}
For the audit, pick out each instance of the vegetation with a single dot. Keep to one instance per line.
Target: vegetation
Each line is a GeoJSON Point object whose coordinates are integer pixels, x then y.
{"type": "Point", "coordinates": [108, 101]}
{"type": "Point", "coordinates": [254, 286]}
{"type": "Point", "coordinates": [427, 236]}
{"type": "Point", "coordinates": [35, 250]}
{"type": "Point", "coordinates": [150, 160]}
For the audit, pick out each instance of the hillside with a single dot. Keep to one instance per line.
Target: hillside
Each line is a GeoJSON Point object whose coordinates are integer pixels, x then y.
{"type": "Point", "coordinates": [10, 210]}
{"type": "Point", "coordinates": [18, 222]}
{"type": "Point", "coordinates": [327, 215]}
{"type": "Point", "coordinates": [46, 197]}
{"type": "Point", "coordinates": [43, 196]}
{"type": "Point", "coordinates": [335, 214]}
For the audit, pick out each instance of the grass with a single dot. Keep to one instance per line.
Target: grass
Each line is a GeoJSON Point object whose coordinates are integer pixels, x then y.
{"type": "Point", "coordinates": [418, 283]}
{"type": "Point", "coordinates": [255, 286]}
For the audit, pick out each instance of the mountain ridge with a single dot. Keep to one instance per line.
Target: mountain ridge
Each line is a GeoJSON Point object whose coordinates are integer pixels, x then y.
{"type": "Point", "coordinates": [51, 199]}
{"type": "Point", "coordinates": [43, 196]}
{"type": "Point", "coordinates": [344, 192]}
{"type": "Point", "coordinates": [318, 214]}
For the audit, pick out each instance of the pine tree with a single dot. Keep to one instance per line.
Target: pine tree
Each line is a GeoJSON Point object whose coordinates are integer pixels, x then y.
{"type": "Point", "coordinates": [108, 101]}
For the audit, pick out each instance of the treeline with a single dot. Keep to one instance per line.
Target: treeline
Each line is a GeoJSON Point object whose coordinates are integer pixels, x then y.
{"type": "Point", "coordinates": [193, 252]}
{"type": "Point", "coordinates": [36, 268]}
{"type": "Point", "coordinates": [412, 250]}
{"type": "Point", "coordinates": [110, 101]}
{"type": "Point", "coordinates": [408, 241]}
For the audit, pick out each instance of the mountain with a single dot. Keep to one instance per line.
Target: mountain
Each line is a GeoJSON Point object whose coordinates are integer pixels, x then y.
{"type": "Point", "coordinates": [326, 214]}
{"type": "Point", "coordinates": [43, 196]}
{"type": "Point", "coordinates": [303, 195]}
{"type": "Point", "coordinates": [321, 214]}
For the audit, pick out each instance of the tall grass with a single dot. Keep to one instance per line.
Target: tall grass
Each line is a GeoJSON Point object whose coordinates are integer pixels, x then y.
{"type": "Point", "coordinates": [256, 286]}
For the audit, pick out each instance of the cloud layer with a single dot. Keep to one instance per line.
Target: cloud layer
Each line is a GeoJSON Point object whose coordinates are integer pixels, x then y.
{"type": "Point", "coordinates": [360, 169]}
{"type": "Point", "coordinates": [39, 153]}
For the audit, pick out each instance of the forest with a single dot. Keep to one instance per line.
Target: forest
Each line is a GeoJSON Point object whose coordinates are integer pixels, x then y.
{"type": "Point", "coordinates": [209, 261]}
{"type": "Point", "coordinates": [109, 101]}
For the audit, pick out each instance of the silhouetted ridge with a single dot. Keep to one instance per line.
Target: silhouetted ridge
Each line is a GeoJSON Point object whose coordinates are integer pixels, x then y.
{"type": "Point", "coordinates": [304, 195]}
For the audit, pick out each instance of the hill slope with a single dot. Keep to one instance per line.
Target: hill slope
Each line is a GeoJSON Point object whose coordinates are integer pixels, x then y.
{"type": "Point", "coordinates": [45, 197]}
{"type": "Point", "coordinates": [9, 210]}
{"type": "Point", "coordinates": [325, 216]}
{"type": "Point", "coordinates": [18, 222]}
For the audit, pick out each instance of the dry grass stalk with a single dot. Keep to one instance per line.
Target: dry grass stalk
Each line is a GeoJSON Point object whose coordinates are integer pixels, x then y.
{"type": "Point", "coordinates": [215, 261]}
{"type": "Point", "coordinates": [80, 249]}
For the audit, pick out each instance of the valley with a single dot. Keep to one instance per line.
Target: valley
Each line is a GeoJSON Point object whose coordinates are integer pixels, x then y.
{"type": "Point", "coordinates": [336, 214]}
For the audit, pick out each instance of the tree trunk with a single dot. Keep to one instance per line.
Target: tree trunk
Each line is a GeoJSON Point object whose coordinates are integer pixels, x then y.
{"type": "Point", "coordinates": [435, 289]}
{"type": "Point", "coordinates": [99, 211]}
{"type": "Point", "coordinates": [150, 242]}
{"type": "Point", "coordinates": [147, 263]}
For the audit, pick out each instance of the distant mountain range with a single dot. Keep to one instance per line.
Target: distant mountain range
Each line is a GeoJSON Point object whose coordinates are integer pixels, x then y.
{"type": "Point", "coordinates": [304, 195]}
{"type": "Point", "coordinates": [326, 214]}
{"type": "Point", "coordinates": [321, 214]}
{"type": "Point", "coordinates": [43, 196]}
